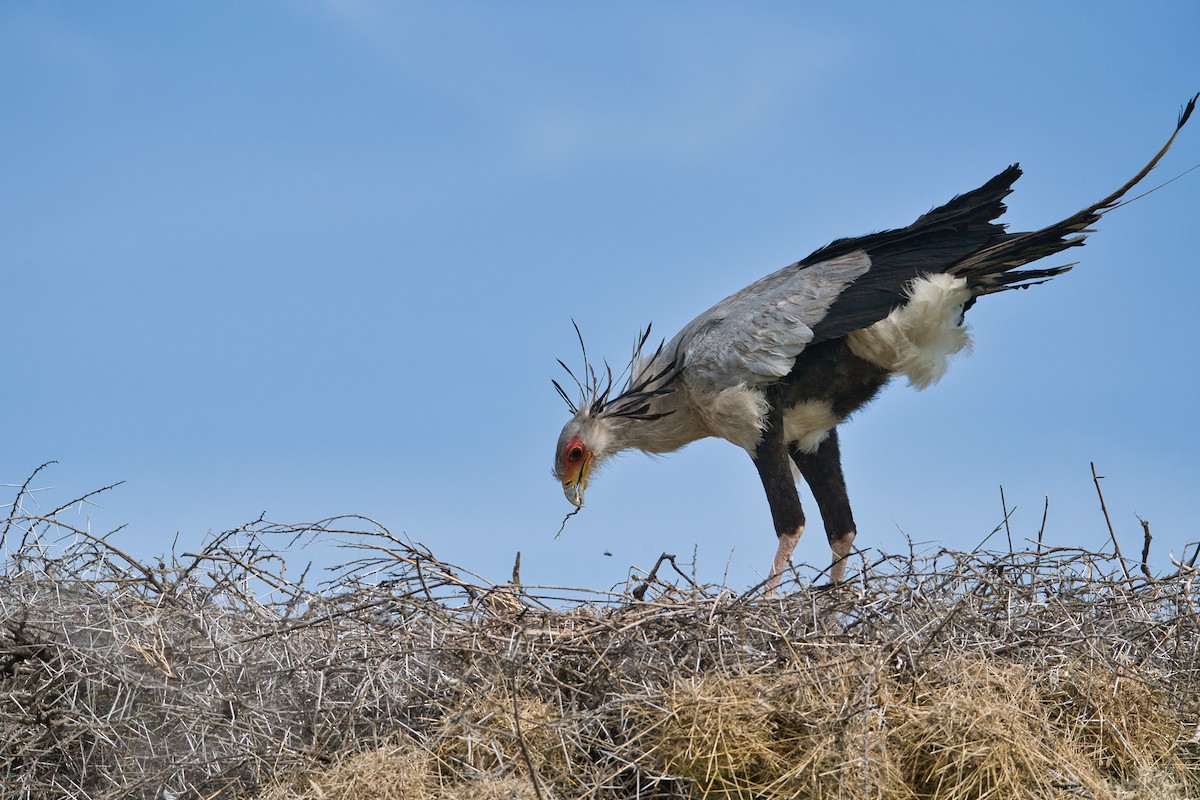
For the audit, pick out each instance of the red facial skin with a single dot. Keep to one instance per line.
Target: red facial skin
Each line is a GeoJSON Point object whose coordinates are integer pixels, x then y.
{"type": "Point", "coordinates": [573, 457]}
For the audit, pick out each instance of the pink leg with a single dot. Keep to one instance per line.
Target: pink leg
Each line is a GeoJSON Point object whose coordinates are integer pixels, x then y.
{"type": "Point", "coordinates": [783, 557]}
{"type": "Point", "coordinates": [841, 548]}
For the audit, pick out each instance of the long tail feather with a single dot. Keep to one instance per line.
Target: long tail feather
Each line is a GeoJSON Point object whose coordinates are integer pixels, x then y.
{"type": "Point", "coordinates": [997, 268]}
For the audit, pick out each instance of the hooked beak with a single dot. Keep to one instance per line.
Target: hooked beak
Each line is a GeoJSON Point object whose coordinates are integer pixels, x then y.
{"type": "Point", "coordinates": [574, 492]}
{"type": "Point", "coordinates": [573, 486]}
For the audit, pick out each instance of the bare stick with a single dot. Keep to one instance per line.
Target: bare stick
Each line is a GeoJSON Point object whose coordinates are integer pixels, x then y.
{"type": "Point", "coordinates": [1004, 508]}
{"type": "Point", "coordinates": [1145, 548]}
{"type": "Point", "coordinates": [1111, 533]}
{"type": "Point", "coordinates": [639, 593]}
{"type": "Point", "coordinates": [563, 527]}
{"type": "Point", "coordinates": [1042, 530]}
{"type": "Point", "coordinates": [84, 498]}
{"type": "Point", "coordinates": [995, 530]}
{"type": "Point", "coordinates": [16, 505]}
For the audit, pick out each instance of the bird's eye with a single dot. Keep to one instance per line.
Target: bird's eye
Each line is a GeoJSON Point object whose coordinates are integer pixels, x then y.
{"type": "Point", "coordinates": [574, 454]}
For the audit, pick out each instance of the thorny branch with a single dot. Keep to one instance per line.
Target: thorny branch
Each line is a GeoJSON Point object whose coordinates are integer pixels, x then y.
{"type": "Point", "coordinates": [218, 673]}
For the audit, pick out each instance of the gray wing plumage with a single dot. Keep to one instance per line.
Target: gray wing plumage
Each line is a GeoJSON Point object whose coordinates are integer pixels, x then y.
{"type": "Point", "coordinates": [754, 336]}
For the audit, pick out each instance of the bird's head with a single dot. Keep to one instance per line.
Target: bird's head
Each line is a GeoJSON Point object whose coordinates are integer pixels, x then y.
{"type": "Point", "coordinates": [585, 442]}
{"type": "Point", "coordinates": [594, 432]}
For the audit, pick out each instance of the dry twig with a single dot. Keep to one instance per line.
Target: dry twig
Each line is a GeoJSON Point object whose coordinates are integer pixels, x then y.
{"type": "Point", "coordinates": [216, 675]}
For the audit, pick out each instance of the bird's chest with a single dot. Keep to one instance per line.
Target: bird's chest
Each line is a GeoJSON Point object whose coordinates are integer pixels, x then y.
{"type": "Point", "coordinates": [736, 414]}
{"type": "Point", "coordinates": [739, 415]}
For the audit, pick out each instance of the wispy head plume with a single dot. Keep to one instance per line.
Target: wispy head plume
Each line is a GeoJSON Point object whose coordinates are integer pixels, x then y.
{"type": "Point", "coordinates": [644, 379]}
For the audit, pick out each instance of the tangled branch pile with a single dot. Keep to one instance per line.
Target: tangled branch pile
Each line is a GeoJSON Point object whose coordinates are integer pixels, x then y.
{"type": "Point", "coordinates": [1044, 673]}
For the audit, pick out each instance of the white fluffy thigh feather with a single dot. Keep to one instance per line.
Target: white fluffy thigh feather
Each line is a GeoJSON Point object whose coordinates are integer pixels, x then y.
{"type": "Point", "coordinates": [918, 338]}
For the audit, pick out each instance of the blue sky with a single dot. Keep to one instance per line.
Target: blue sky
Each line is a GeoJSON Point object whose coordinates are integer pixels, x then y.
{"type": "Point", "coordinates": [317, 258]}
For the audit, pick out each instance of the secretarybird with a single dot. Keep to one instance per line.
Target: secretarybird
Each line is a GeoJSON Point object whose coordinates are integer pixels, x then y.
{"type": "Point", "coordinates": [776, 367]}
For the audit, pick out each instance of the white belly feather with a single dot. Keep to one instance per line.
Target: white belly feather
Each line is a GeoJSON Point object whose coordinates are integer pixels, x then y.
{"type": "Point", "coordinates": [918, 338]}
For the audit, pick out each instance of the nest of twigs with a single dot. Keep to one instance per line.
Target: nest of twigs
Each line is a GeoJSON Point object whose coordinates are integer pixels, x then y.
{"type": "Point", "coordinates": [1048, 673]}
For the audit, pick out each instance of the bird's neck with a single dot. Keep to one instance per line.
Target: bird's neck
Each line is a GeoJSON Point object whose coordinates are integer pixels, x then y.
{"type": "Point", "coordinates": [665, 434]}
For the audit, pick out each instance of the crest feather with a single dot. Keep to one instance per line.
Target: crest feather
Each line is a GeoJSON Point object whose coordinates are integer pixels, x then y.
{"type": "Point", "coordinates": [642, 382]}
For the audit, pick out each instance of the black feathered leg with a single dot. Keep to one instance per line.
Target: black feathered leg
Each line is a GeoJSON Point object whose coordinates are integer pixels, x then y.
{"type": "Point", "coordinates": [822, 472]}
{"type": "Point", "coordinates": [775, 471]}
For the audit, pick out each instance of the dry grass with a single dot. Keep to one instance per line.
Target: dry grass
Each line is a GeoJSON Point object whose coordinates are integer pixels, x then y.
{"type": "Point", "coordinates": [977, 728]}
{"type": "Point", "coordinates": [811, 730]}
{"type": "Point", "coordinates": [219, 674]}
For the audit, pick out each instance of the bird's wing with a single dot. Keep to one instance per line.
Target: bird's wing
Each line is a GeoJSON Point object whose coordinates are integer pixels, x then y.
{"type": "Point", "coordinates": [962, 238]}
{"type": "Point", "coordinates": [754, 336]}
{"type": "Point", "coordinates": [935, 243]}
